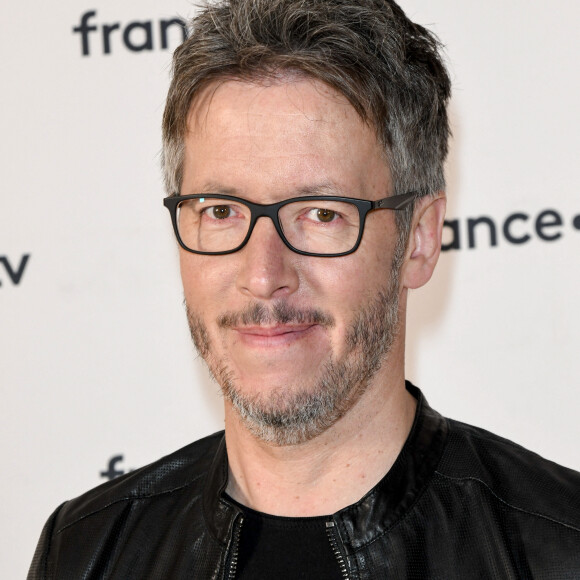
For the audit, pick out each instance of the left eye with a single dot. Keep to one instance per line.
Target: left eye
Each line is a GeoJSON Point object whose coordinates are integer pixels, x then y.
{"type": "Point", "coordinates": [322, 214]}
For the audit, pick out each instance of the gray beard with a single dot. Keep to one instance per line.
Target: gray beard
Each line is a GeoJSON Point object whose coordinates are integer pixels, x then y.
{"type": "Point", "coordinates": [291, 416]}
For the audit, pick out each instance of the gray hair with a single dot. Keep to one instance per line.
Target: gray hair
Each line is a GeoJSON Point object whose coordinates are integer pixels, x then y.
{"type": "Point", "coordinates": [389, 68]}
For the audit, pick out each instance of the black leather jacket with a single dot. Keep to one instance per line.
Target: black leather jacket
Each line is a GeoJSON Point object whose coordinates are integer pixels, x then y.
{"type": "Point", "coordinates": [459, 503]}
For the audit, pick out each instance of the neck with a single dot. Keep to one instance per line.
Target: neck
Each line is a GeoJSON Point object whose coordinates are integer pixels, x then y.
{"type": "Point", "coordinates": [331, 471]}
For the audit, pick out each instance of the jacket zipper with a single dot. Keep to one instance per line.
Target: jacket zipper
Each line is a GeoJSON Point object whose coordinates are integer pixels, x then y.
{"type": "Point", "coordinates": [235, 549]}
{"type": "Point", "coordinates": [332, 536]}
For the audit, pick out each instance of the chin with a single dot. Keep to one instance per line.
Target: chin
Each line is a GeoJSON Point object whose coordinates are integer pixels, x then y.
{"type": "Point", "coordinates": [290, 414]}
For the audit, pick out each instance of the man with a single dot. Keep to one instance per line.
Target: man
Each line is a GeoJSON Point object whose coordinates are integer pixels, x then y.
{"type": "Point", "coordinates": [289, 127]}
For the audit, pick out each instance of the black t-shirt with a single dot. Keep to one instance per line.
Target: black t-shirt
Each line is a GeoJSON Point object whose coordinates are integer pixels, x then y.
{"type": "Point", "coordinates": [284, 548]}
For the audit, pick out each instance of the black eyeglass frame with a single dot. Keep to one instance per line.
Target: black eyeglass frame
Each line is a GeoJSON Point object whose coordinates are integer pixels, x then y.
{"type": "Point", "coordinates": [258, 210]}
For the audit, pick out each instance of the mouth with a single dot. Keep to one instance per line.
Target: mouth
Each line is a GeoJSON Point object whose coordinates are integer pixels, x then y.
{"type": "Point", "coordinates": [273, 336]}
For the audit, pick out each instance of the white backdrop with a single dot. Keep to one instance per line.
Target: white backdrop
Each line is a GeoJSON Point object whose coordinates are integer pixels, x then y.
{"type": "Point", "coordinates": [95, 357]}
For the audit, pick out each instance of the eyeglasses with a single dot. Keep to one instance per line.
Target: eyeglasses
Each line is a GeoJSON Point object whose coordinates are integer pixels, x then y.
{"type": "Point", "coordinates": [324, 226]}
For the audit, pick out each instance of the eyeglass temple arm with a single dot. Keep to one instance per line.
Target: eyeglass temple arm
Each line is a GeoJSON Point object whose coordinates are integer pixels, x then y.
{"type": "Point", "coordinates": [395, 201]}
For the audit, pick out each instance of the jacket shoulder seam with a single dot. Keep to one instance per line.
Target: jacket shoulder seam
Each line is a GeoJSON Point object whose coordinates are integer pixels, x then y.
{"type": "Point", "coordinates": [43, 564]}
{"type": "Point", "coordinates": [508, 504]}
{"type": "Point", "coordinates": [126, 498]}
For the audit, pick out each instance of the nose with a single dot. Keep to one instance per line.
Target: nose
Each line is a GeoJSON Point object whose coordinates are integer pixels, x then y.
{"type": "Point", "coordinates": [267, 268]}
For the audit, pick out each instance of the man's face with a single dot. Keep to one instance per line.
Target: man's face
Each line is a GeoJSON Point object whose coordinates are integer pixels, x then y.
{"type": "Point", "coordinates": [293, 340]}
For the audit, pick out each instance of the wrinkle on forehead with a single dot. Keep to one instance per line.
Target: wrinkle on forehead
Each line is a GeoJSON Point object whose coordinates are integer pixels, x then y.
{"type": "Point", "coordinates": [200, 109]}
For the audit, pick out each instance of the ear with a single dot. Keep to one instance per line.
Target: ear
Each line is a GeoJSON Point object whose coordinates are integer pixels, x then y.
{"type": "Point", "coordinates": [424, 244]}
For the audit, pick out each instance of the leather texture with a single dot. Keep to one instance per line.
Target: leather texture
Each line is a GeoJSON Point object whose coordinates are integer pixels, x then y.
{"type": "Point", "coordinates": [459, 503]}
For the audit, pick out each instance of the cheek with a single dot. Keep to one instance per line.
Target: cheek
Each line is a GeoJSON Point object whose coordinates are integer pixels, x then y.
{"type": "Point", "coordinates": [344, 286]}
{"type": "Point", "coordinates": [362, 273]}
{"type": "Point", "coordinates": [338, 286]}
{"type": "Point", "coordinates": [204, 279]}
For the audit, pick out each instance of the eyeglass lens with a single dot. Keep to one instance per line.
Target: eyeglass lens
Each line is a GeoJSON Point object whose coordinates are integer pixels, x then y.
{"type": "Point", "coordinates": [315, 226]}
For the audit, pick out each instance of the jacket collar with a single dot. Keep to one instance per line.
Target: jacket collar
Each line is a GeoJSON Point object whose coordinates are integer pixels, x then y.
{"type": "Point", "coordinates": [378, 510]}
{"type": "Point", "coordinates": [393, 496]}
{"type": "Point", "coordinates": [219, 514]}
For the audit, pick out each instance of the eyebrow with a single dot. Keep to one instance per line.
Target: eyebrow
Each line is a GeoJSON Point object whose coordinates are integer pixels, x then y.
{"type": "Point", "coordinates": [215, 187]}
{"type": "Point", "coordinates": [324, 188]}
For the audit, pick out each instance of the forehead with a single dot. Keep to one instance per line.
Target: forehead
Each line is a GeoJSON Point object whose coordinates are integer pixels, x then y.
{"type": "Point", "coordinates": [302, 95]}
{"type": "Point", "coordinates": [289, 132]}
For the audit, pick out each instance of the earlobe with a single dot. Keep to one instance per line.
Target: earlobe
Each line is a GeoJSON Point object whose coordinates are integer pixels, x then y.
{"type": "Point", "coordinates": [424, 244]}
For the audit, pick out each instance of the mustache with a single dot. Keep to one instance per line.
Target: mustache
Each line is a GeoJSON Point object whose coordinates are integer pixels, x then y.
{"type": "Point", "coordinates": [279, 313]}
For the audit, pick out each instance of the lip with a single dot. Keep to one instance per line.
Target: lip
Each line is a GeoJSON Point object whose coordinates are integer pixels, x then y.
{"type": "Point", "coordinates": [273, 336]}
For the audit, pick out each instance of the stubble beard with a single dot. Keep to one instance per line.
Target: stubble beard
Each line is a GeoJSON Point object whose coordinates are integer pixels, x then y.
{"type": "Point", "coordinates": [298, 413]}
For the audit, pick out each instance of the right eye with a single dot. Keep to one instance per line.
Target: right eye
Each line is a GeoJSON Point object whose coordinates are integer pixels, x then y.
{"type": "Point", "coordinates": [218, 212]}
